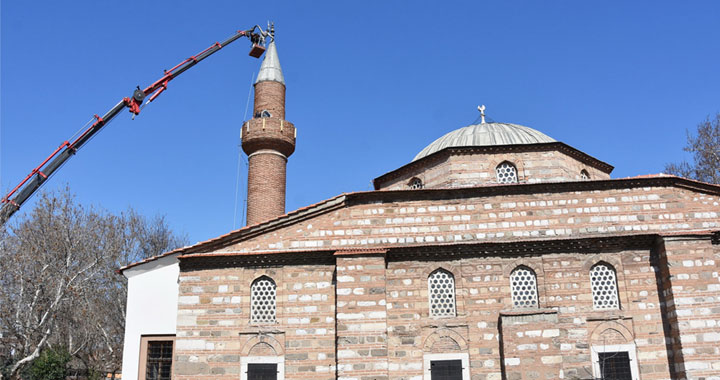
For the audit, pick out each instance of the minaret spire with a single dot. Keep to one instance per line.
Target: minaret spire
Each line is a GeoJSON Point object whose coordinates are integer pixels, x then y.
{"type": "Point", "coordinates": [270, 69]}
{"type": "Point", "coordinates": [268, 140]}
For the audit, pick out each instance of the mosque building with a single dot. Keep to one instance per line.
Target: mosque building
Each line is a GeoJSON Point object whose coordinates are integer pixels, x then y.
{"type": "Point", "coordinates": [497, 253]}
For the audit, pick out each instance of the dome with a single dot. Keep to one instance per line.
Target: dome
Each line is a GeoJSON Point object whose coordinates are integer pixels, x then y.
{"type": "Point", "coordinates": [486, 134]}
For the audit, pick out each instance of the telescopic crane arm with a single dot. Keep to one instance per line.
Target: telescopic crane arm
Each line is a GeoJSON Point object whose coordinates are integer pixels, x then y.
{"type": "Point", "coordinates": [12, 202]}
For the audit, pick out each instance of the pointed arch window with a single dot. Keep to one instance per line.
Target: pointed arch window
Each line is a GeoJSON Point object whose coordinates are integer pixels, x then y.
{"type": "Point", "coordinates": [523, 285]}
{"type": "Point", "coordinates": [603, 281]}
{"type": "Point", "coordinates": [262, 300]}
{"type": "Point", "coordinates": [441, 291]}
{"type": "Point", "coordinates": [584, 175]}
{"type": "Point", "coordinates": [506, 173]}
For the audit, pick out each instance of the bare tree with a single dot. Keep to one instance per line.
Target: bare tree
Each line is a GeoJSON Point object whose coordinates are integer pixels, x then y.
{"type": "Point", "coordinates": [58, 285]}
{"type": "Point", "coordinates": [705, 149]}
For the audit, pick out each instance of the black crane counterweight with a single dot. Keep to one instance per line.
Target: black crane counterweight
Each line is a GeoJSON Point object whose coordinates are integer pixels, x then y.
{"type": "Point", "coordinates": [12, 202]}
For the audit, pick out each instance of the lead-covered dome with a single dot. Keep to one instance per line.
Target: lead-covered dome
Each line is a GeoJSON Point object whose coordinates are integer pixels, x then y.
{"type": "Point", "coordinates": [486, 134]}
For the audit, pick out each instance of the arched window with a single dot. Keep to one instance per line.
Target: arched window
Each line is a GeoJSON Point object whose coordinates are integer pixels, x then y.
{"type": "Point", "coordinates": [441, 290]}
{"type": "Point", "coordinates": [262, 300]}
{"type": "Point", "coordinates": [415, 183]}
{"type": "Point", "coordinates": [584, 175]}
{"type": "Point", "coordinates": [506, 173]}
{"type": "Point", "coordinates": [523, 285]}
{"type": "Point", "coordinates": [604, 287]}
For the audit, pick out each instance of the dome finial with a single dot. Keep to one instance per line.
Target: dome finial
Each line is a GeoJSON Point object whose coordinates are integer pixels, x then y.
{"type": "Point", "coordinates": [482, 113]}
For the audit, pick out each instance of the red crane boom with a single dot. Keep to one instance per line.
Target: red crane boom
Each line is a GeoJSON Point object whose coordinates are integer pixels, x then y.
{"type": "Point", "coordinates": [12, 202]}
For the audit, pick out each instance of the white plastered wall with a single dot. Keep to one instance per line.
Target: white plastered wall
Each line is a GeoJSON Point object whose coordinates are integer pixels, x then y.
{"type": "Point", "coordinates": [151, 307]}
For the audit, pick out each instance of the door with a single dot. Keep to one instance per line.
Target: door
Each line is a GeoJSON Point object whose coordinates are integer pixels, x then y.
{"type": "Point", "coordinates": [446, 369]}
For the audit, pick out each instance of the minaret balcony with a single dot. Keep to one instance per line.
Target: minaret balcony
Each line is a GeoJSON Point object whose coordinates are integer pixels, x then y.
{"type": "Point", "coordinates": [268, 133]}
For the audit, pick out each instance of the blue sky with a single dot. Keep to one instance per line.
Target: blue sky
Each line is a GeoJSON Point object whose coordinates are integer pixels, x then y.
{"type": "Point", "coordinates": [369, 84]}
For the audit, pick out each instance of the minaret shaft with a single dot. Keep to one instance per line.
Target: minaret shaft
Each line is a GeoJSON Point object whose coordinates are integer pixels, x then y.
{"type": "Point", "coordinates": [268, 140]}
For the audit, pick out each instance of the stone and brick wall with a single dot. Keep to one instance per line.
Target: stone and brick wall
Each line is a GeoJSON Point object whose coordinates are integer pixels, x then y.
{"type": "Point", "coordinates": [450, 170]}
{"type": "Point", "coordinates": [353, 296]}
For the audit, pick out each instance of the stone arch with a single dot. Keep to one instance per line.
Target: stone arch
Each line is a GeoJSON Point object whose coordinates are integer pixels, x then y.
{"type": "Point", "coordinates": [262, 343]}
{"type": "Point", "coordinates": [608, 259]}
{"type": "Point", "coordinates": [445, 339]}
{"type": "Point", "coordinates": [611, 332]}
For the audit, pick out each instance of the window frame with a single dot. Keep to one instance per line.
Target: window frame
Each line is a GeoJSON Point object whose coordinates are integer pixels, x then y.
{"type": "Point", "coordinates": [512, 289]}
{"type": "Point", "coordinates": [412, 184]}
{"type": "Point", "coordinates": [629, 348]}
{"type": "Point", "coordinates": [279, 360]}
{"type": "Point", "coordinates": [144, 340]}
{"type": "Point", "coordinates": [275, 313]}
{"type": "Point", "coordinates": [617, 286]}
{"type": "Point", "coordinates": [514, 166]}
{"type": "Point", "coordinates": [454, 294]}
{"type": "Point", "coordinates": [464, 358]}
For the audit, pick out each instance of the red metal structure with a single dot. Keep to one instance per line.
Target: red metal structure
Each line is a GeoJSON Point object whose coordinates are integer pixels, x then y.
{"type": "Point", "coordinates": [28, 186]}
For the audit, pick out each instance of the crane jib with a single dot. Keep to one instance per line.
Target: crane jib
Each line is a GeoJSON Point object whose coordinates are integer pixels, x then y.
{"type": "Point", "coordinates": [57, 159]}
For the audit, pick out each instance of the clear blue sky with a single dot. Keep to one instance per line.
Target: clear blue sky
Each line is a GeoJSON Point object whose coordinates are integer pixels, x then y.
{"type": "Point", "coordinates": [369, 84]}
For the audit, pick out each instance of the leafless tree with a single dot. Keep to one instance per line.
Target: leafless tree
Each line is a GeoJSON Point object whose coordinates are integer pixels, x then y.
{"type": "Point", "coordinates": [58, 284]}
{"type": "Point", "coordinates": [704, 146]}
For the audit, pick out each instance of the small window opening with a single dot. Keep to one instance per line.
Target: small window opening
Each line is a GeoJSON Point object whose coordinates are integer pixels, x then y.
{"type": "Point", "coordinates": [604, 287]}
{"type": "Point", "coordinates": [584, 175]}
{"type": "Point", "coordinates": [523, 284]}
{"type": "Point", "coordinates": [615, 365]}
{"type": "Point", "coordinates": [415, 183]}
{"type": "Point", "coordinates": [263, 113]}
{"type": "Point", "coordinates": [506, 173]}
{"type": "Point", "coordinates": [262, 300]}
{"type": "Point", "coordinates": [441, 290]}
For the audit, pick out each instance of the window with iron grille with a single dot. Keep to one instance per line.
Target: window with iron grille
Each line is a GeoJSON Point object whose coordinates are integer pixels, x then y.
{"type": "Point", "coordinates": [523, 285]}
{"type": "Point", "coordinates": [262, 300]}
{"type": "Point", "coordinates": [158, 365]}
{"type": "Point", "coordinates": [441, 290]}
{"type": "Point", "coordinates": [506, 173]}
{"type": "Point", "coordinates": [415, 183]}
{"type": "Point", "coordinates": [615, 365]}
{"type": "Point", "coordinates": [262, 371]}
{"type": "Point", "coordinates": [604, 287]}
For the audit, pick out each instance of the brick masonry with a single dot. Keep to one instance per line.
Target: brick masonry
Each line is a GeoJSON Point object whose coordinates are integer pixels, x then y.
{"type": "Point", "coordinates": [353, 291]}
{"type": "Point", "coordinates": [467, 167]}
{"type": "Point", "coordinates": [268, 141]}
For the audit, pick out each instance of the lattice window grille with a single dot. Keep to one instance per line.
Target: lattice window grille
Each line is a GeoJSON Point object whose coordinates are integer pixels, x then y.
{"type": "Point", "coordinates": [415, 183]}
{"type": "Point", "coordinates": [506, 173]}
{"type": "Point", "coordinates": [584, 175]}
{"type": "Point", "coordinates": [441, 288]}
{"type": "Point", "coordinates": [523, 285]}
{"type": "Point", "coordinates": [604, 287]}
{"type": "Point", "coordinates": [262, 299]}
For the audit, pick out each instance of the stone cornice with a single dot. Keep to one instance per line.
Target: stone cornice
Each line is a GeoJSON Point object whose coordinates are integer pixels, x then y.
{"type": "Point", "coordinates": [424, 252]}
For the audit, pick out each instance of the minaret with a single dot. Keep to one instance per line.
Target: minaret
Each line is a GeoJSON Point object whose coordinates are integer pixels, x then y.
{"type": "Point", "coordinates": [268, 140]}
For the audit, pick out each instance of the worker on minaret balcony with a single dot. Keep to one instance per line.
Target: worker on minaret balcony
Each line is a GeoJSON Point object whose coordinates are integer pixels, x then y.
{"type": "Point", "coordinates": [268, 140]}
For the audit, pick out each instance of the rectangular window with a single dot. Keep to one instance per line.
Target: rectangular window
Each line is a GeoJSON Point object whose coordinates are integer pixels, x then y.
{"type": "Point", "coordinates": [615, 361]}
{"type": "Point", "coordinates": [446, 370]}
{"type": "Point", "coordinates": [262, 371]}
{"type": "Point", "coordinates": [615, 365]}
{"type": "Point", "coordinates": [156, 357]}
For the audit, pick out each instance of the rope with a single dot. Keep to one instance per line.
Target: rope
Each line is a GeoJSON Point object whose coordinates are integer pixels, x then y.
{"type": "Point", "coordinates": [241, 158]}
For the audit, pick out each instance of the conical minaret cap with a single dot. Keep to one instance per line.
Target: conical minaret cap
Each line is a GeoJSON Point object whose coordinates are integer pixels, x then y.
{"type": "Point", "coordinates": [270, 69]}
